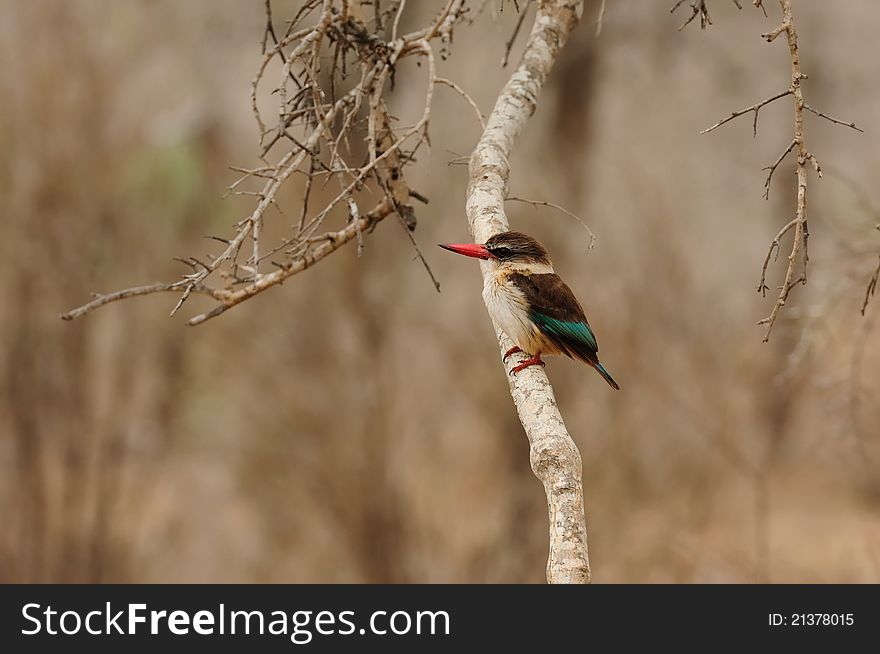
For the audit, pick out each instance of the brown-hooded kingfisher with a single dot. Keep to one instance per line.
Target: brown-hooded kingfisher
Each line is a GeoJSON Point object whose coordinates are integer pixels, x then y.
{"type": "Point", "coordinates": [531, 303]}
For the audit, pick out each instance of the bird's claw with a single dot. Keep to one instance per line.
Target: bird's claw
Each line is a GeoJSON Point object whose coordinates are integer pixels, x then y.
{"type": "Point", "coordinates": [512, 350]}
{"type": "Point", "coordinates": [534, 361]}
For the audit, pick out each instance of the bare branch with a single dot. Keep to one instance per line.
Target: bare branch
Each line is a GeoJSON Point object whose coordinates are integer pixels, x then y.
{"type": "Point", "coordinates": [327, 244]}
{"type": "Point", "coordinates": [467, 98]}
{"type": "Point", "coordinates": [779, 29]}
{"type": "Point", "coordinates": [833, 120]}
{"type": "Point", "coordinates": [397, 16]}
{"type": "Point", "coordinates": [773, 252]}
{"type": "Point", "coordinates": [419, 254]}
{"type": "Point", "coordinates": [801, 231]}
{"type": "Point", "coordinates": [311, 136]}
{"type": "Point", "coordinates": [755, 108]}
{"type": "Point", "coordinates": [102, 299]}
{"type": "Point", "coordinates": [554, 456]}
{"type": "Point", "coordinates": [509, 45]}
{"type": "Point", "coordinates": [600, 19]}
{"type": "Point", "coordinates": [544, 203]}
{"type": "Point", "coordinates": [799, 251]}
{"type": "Point", "coordinates": [772, 168]}
{"type": "Point", "coordinates": [698, 8]}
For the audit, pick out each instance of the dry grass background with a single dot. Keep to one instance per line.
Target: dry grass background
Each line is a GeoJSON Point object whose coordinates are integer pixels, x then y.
{"type": "Point", "coordinates": [354, 425]}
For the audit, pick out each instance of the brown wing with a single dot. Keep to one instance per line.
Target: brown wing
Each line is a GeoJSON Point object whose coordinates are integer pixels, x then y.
{"type": "Point", "coordinates": [556, 312]}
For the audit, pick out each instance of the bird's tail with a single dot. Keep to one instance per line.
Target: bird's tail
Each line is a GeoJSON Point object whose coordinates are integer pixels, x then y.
{"type": "Point", "coordinates": [606, 375]}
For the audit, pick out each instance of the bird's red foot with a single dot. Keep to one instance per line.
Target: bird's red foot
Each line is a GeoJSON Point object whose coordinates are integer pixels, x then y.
{"type": "Point", "coordinates": [534, 361]}
{"type": "Point", "coordinates": [512, 350]}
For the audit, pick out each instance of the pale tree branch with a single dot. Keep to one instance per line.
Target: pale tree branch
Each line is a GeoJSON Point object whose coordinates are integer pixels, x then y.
{"type": "Point", "coordinates": [148, 289]}
{"type": "Point", "coordinates": [554, 456]}
{"type": "Point", "coordinates": [600, 19]}
{"type": "Point", "coordinates": [324, 245]}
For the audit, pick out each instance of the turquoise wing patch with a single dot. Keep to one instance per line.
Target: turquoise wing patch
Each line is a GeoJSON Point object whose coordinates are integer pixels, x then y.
{"type": "Point", "coordinates": [578, 332]}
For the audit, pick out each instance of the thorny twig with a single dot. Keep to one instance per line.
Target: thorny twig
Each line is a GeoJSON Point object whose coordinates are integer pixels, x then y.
{"type": "Point", "coordinates": [698, 8]}
{"type": "Point", "coordinates": [102, 299]}
{"type": "Point", "coordinates": [754, 108]}
{"type": "Point", "coordinates": [832, 119]}
{"type": "Point", "coordinates": [332, 77]}
{"type": "Point", "coordinates": [799, 252]}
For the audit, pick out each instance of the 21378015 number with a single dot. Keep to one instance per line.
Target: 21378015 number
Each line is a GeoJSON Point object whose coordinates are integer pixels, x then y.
{"type": "Point", "coordinates": [821, 619]}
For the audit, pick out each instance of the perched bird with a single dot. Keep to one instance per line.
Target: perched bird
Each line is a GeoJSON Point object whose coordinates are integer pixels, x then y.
{"type": "Point", "coordinates": [531, 303]}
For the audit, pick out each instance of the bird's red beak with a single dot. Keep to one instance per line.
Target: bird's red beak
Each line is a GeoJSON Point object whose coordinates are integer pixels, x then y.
{"type": "Point", "coordinates": [468, 249]}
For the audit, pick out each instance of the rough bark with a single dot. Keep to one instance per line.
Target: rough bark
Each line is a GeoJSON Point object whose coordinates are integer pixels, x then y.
{"type": "Point", "coordinates": [554, 457]}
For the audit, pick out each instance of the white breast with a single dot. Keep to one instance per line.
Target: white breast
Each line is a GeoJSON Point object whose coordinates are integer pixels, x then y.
{"type": "Point", "coordinates": [508, 307]}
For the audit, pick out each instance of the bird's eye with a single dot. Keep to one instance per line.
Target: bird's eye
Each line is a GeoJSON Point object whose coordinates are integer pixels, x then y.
{"type": "Point", "coordinates": [501, 253]}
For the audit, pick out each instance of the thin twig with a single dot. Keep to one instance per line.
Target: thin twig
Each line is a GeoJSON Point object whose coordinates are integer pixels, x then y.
{"type": "Point", "coordinates": [832, 119]}
{"type": "Point", "coordinates": [136, 291]}
{"type": "Point", "coordinates": [467, 98]}
{"type": "Point", "coordinates": [330, 242]}
{"type": "Point", "coordinates": [419, 254]}
{"type": "Point", "coordinates": [397, 16]}
{"type": "Point", "coordinates": [773, 252]}
{"type": "Point", "coordinates": [755, 108]}
{"type": "Point", "coordinates": [871, 287]}
{"type": "Point", "coordinates": [544, 203]}
{"type": "Point", "coordinates": [772, 168]}
{"type": "Point", "coordinates": [698, 8]}
{"type": "Point", "coordinates": [509, 45]}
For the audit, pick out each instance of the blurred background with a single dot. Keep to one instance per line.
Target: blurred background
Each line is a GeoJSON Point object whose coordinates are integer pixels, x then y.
{"type": "Point", "coordinates": [354, 425]}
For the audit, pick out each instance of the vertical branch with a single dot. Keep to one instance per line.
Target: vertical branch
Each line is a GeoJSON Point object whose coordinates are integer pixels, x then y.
{"type": "Point", "coordinates": [554, 456]}
{"type": "Point", "coordinates": [797, 145]}
{"type": "Point", "coordinates": [801, 231]}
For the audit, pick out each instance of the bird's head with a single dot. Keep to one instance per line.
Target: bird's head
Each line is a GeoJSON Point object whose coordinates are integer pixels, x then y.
{"type": "Point", "coordinates": [508, 249]}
